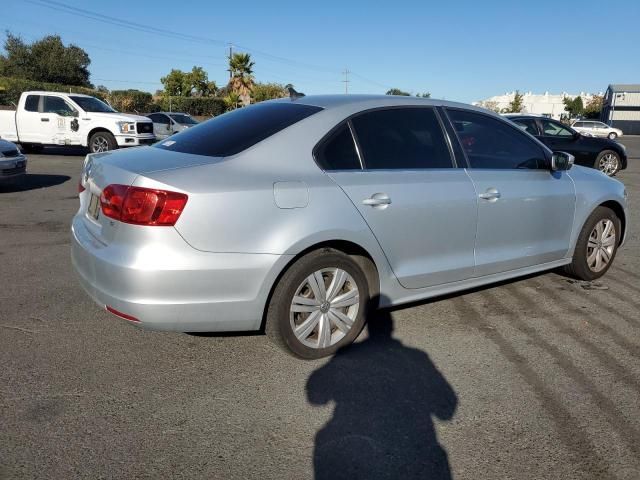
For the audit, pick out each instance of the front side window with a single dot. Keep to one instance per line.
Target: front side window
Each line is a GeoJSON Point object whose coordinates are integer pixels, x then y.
{"type": "Point", "coordinates": [338, 152]}
{"type": "Point", "coordinates": [492, 143]}
{"type": "Point", "coordinates": [402, 138]}
{"type": "Point", "coordinates": [554, 129]}
{"type": "Point", "coordinates": [31, 103]}
{"type": "Point", "coordinates": [238, 130]}
{"type": "Point", "coordinates": [57, 105]}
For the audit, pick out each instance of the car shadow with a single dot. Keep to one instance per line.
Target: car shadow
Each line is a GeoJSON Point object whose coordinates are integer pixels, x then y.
{"type": "Point", "coordinates": [386, 395]}
{"type": "Point", "coordinates": [61, 151]}
{"type": "Point", "coordinates": [32, 181]}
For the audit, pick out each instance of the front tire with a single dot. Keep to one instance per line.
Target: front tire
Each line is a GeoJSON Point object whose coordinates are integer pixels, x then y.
{"type": "Point", "coordinates": [319, 304]}
{"type": "Point", "coordinates": [102, 142]}
{"type": "Point", "coordinates": [597, 245]}
{"type": "Point", "coordinates": [612, 136]}
{"type": "Point", "coordinates": [608, 162]}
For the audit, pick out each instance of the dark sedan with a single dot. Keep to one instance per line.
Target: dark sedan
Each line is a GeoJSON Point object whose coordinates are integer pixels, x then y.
{"type": "Point", "coordinates": [13, 164]}
{"type": "Point", "coordinates": [606, 155]}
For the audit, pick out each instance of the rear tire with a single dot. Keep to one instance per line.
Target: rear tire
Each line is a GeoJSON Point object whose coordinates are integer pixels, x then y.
{"type": "Point", "coordinates": [597, 245]}
{"type": "Point", "coordinates": [608, 162]}
{"type": "Point", "coordinates": [612, 136]}
{"type": "Point", "coordinates": [102, 142]}
{"type": "Point", "coordinates": [322, 318]}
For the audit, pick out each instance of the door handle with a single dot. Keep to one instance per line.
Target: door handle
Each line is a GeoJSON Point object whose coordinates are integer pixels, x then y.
{"type": "Point", "coordinates": [377, 200]}
{"type": "Point", "coordinates": [492, 194]}
{"type": "Point", "coordinates": [44, 119]}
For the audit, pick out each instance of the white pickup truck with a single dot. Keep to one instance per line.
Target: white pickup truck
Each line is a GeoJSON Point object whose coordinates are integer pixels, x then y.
{"type": "Point", "coordinates": [52, 118]}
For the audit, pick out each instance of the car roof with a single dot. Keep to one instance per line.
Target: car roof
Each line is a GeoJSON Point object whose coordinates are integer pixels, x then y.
{"type": "Point", "coordinates": [371, 101]}
{"type": "Point", "coordinates": [50, 92]}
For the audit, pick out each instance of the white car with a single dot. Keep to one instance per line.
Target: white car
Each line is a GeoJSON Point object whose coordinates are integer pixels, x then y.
{"type": "Point", "coordinates": [54, 118]}
{"type": "Point", "coordinates": [597, 129]}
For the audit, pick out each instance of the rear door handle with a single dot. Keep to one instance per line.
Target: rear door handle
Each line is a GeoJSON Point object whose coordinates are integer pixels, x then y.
{"type": "Point", "coordinates": [379, 200]}
{"type": "Point", "coordinates": [492, 194]}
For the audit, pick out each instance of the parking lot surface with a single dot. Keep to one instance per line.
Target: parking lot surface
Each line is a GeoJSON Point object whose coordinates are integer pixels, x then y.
{"type": "Point", "coordinates": [535, 378]}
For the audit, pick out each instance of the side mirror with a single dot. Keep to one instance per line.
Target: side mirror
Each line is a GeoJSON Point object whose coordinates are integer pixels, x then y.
{"type": "Point", "coordinates": [561, 161]}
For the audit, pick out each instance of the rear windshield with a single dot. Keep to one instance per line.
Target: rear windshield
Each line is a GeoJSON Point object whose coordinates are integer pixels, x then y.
{"type": "Point", "coordinates": [238, 130]}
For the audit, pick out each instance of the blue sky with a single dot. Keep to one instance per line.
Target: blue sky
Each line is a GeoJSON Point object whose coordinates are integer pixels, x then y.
{"type": "Point", "coordinates": [462, 50]}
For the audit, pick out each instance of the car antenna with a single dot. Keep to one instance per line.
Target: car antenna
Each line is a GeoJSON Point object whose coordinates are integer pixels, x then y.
{"type": "Point", "coordinates": [293, 95]}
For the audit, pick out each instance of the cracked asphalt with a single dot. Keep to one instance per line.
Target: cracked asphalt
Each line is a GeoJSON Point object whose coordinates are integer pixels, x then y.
{"type": "Point", "coordinates": [534, 378]}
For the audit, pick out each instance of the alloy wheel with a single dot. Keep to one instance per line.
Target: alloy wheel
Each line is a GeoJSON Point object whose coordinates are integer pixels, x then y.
{"type": "Point", "coordinates": [99, 144]}
{"type": "Point", "coordinates": [601, 245]}
{"type": "Point", "coordinates": [324, 308]}
{"type": "Point", "coordinates": [608, 164]}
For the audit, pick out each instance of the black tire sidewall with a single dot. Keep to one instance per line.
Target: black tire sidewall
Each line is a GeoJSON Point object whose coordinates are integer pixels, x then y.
{"type": "Point", "coordinates": [278, 317]}
{"type": "Point", "coordinates": [111, 140]}
{"type": "Point", "coordinates": [579, 264]}
{"type": "Point", "coordinates": [612, 136]}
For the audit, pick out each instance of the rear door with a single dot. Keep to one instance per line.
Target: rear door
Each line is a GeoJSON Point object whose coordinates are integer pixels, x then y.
{"type": "Point", "coordinates": [29, 124]}
{"type": "Point", "coordinates": [525, 211]}
{"type": "Point", "coordinates": [421, 209]}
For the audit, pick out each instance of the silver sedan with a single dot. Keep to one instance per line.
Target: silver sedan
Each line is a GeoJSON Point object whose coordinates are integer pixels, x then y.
{"type": "Point", "coordinates": [298, 215]}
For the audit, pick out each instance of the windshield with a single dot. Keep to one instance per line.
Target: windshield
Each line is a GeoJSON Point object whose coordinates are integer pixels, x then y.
{"type": "Point", "coordinates": [90, 104]}
{"type": "Point", "coordinates": [183, 119]}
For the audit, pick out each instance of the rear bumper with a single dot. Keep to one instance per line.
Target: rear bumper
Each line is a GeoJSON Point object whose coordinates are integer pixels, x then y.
{"type": "Point", "coordinates": [135, 140]}
{"type": "Point", "coordinates": [178, 288]}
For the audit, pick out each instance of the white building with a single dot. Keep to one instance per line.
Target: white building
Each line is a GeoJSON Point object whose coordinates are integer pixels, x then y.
{"type": "Point", "coordinates": [547, 104]}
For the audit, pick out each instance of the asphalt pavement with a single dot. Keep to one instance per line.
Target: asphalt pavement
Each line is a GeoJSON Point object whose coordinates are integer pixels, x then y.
{"type": "Point", "coordinates": [535, 378]}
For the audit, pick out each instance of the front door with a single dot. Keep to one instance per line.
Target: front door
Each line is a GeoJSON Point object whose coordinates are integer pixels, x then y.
{"type": "Point", "coordinates": [525, 211]}
{"type": "Point", "coordinates": [59, 122]}
{"type": "Point", "coordinates": [420, 208]}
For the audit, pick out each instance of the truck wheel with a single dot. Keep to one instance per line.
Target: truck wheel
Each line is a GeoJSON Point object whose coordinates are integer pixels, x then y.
{"type": "Point", "coordinates": [102, 142]}
{"type": "Point", "coordinates": [31, 147]}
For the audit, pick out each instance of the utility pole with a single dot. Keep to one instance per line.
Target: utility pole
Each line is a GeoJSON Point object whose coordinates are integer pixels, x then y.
{"type": "Point", "coordinates": [230, 56]}
{"type": "Point", "coordinates": [346, 80]}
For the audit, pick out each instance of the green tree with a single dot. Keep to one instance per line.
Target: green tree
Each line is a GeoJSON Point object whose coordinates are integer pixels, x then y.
{"type": "Point", "coordinates": [46, 60]}
{"type": "Point", "coordinates": [593, 107]}
{"type": "Point", "coordinates": [175, 84]}
{"type": "Point", "coordinates": [516, 105]}
{"type": "Point", "coordinates": [186, 84]}
{"type": "Point", "coordinates": [267, 91]}
{"type": "Point", "coordinates": [397, 91]}
{"type": "Point", "coordinates": [573, 106]}
{"type": "Point", "coordinates": [423, 95]}
{"type": "Point", "coordinates": [242, 80]}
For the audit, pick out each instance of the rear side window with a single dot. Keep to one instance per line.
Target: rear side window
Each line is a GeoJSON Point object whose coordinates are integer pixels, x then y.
{"type": "Point", "coordinates": [402, 138]}
{"type": "Point", "coordinates": [238, 130]}
{"type": "Point", "coordinates": [31, 103]}
{"type": "Point", "coordinates": [528, 125]}
{"type": "Point", "coordinates": [338, 152]}
{"type": "Point", "coordinates": [492, 143]}
{"type": "Point", "coordinates": [555, 129]}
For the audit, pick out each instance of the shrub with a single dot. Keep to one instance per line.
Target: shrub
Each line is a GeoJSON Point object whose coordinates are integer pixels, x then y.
{"type": "Point", "coordinates": [11, 88]}
{"type": "Point", "coordinates": [130, 100]}
{"type": "Point", "coordinates": [200, 106]}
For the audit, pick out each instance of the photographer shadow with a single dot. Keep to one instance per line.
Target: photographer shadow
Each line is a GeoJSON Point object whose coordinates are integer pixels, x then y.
{"type": "Point", "coordinates": [385, 395]}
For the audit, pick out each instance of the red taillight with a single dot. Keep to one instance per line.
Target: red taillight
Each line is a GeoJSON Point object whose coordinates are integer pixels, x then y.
{"type": "Point", "coordinates": [121, 315]}
{"type": "Point", "coordinates": [142, 206]}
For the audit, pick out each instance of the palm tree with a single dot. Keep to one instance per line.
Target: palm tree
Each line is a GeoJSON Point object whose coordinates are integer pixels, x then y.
{"type": "Point", "coordinates": [241, 82]}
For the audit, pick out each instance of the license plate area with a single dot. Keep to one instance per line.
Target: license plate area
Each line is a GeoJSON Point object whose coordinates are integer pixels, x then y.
{"type": "Point", "coordinates": [94, 207]}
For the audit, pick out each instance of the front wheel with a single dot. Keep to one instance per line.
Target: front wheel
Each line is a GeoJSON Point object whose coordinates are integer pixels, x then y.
{"type": "Point", "coordinates": [596, 246]}
{"type": "Point", "coordinates": [613, 136]}
{"type": "Point", "coordinates": [102, 142]}
{"type": "Point", "coordinates": [608, 162]}
{"type": "Point", "coordinates": [319, 304]}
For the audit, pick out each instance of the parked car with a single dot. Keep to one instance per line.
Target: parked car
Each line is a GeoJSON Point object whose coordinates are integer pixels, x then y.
{"type": "Point", "coordinates": [605, 155]}
{"type": "Point", "coordinates": [597, 129]}
{"type": "Point", "coordinates": [52, 118]}
{"type": "Point", "coordinates": [13, 164]}
{"type": "Point", "coordinates": [303, 213]}
{"type": "Point", "coordinates": [168, 123]}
